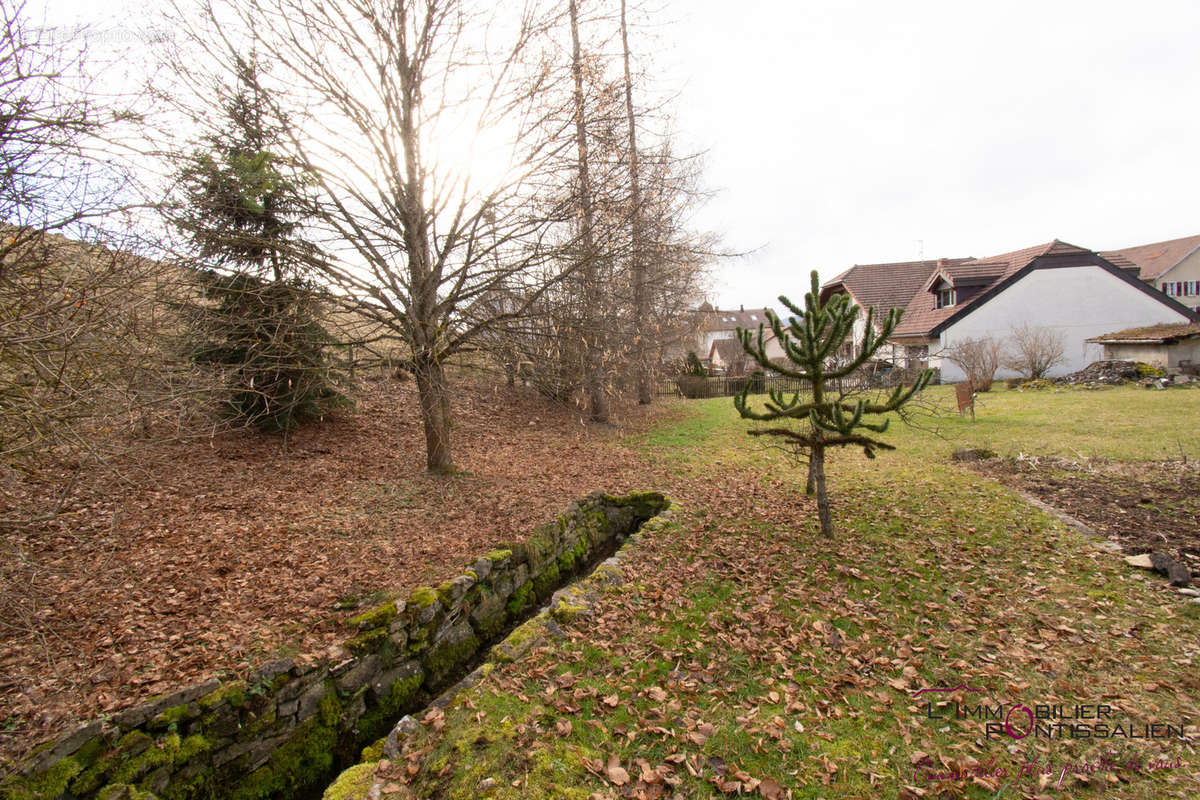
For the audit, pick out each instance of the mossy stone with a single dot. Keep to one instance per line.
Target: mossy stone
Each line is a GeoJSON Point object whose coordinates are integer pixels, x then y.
{"type": "Point", "coordinates": [545, 582]}
{"type": "Point", "coordinates": [123, 791]}
{"type": "Point", "coordinates": [449, 651]}
{"type": "Point", "coordinates": [422, 597]}
{"type": "Point", "coordinates": [304, 759]}
{"type": "Point", "coordinates": [233, 693]}
{"type": "Point", "coordinates": [521, 599]}
{"type": "Point", "coordinates": [365, 643]}
{"type": "Point", "coordinates": [373, 751]}
{"type": "Point", "coordinates": [377, 617]}
{"type": "Point", "coordinates": [352, 784]}
{"type": "Point", "coordinates": [51, 783]}
{"type": "Point", "coordinates": [400, 697]}
{"type": "Point", "coordinates": [499, 555]}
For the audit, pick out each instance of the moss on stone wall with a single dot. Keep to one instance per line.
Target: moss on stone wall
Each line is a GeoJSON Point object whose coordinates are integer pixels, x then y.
{"type": "Point", "coordinates": [422, 597]}
{"type": "Point", "coordinates": [366, 642]}
{"type": "Point", "coordinates": [520, 599]}
{"type": "Point", "coordinates": [377, 617]}
{"type": "Point", "coordinates": [302, 761]}
{"type": "Point", "coordinates": [351, 784]}
{"type": "Point", "coordinates": [291, 720]}
{"type": "Point", "coordinates": [546, 581]}
{"type": "Point", "coordinates": [399, 698]}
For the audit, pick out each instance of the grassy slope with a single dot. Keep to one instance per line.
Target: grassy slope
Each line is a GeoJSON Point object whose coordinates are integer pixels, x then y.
{"type": "Point", "coordinates": [746, 648]}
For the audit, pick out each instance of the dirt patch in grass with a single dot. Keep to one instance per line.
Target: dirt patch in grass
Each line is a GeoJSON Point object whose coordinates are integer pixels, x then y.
{"type": "Point", "coordinates": [1145, 507]}
{"type": "Point", "coordinates": [219, 555]}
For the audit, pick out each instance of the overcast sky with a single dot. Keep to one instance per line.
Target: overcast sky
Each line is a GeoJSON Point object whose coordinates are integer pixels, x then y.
{"type": "Point", "coordinates": [841, 132]}
{"type": "Point", "coordinates": [848, 132]}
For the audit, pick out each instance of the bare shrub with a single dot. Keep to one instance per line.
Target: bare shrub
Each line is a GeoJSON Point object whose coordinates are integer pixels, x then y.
{"type": "Point", "coordinates": [1033, 350]}
{"type": "Point", "coordinates": [978, 358]}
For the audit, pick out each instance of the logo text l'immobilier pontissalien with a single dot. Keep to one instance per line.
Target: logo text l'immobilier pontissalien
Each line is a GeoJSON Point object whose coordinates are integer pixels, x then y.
{"type": "Point", "coordinates": [1048, 720]}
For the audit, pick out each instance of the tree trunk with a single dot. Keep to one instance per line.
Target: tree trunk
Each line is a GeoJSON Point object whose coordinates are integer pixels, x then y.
{"type": "Point", "coordinates": [817, 471]}
{"type": "Point", "coordinates": [637, 257]}
{"type": "Point", "coordinates": [434, 397]}
{"type": "Point", "coordinates": [810, 488]}
{"type": "Point", "coordinates": [593, 375]}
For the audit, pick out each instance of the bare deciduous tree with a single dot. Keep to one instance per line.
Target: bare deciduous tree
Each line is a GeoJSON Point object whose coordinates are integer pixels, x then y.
{"type": "Point", "coordinates": [1033, 350]}
{"type": "Point", "coordinates": [80, 332]}
{"type": "Point", "coordinates": [637, 249]}
{"type": "Point", "coordinates": [373, 94]}
{"type": "Point", "coordinates": [594, 345]}
{"type": "Point", "coordinates": [978, 357]}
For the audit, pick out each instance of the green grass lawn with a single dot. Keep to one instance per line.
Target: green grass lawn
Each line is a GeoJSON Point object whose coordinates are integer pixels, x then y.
{"type": "Point", "coordinates": [1122, 423]}
{"type": "Point", "coordinates": [747, 655]}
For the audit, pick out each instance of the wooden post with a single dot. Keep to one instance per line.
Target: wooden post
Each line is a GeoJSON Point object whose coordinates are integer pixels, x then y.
{"type": "Point", "coordinates": [965, 393]}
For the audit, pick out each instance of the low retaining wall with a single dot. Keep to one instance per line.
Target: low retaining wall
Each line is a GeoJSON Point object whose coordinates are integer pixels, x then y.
{"type": "Point", "coordinates": [360, 782]}
{"type": "Point", "coordinates": [285, 730]}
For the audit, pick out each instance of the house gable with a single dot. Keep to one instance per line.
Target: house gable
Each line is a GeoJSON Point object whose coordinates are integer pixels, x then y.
{"type": "Point", "coordinates": [1078, 298]}
{"type": "Point", "coordinates": [1062, 259]}
{"type": "Point", "coordinates": [1156, 259]}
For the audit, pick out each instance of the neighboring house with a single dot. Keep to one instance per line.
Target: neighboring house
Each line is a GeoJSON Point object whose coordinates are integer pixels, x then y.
{"type": "Point", "coordinates": [728, 356]}
{"type": "Point", "coordinates": [715, 323]}
{"type": "Point", "coordinates": [1165, 346]}
{"type": "Point", "coordinates": [1172, 267]}
{"type": "Point", "coordinates": [1057, 285]}
{"type": "Point", "coordinates": [884, 287]}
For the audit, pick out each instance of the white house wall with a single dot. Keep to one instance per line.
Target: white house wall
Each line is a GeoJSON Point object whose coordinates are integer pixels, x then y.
{"type": "Point", "coordinates": [1082, 302]}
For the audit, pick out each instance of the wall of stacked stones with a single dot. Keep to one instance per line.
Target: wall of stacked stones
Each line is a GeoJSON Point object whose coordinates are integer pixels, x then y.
{"type": "Point", "coordinates": [287, 727]}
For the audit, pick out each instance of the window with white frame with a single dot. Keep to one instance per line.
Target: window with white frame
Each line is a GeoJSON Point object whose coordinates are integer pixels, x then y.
{"type": "Point", "coordinates": [945, 298]}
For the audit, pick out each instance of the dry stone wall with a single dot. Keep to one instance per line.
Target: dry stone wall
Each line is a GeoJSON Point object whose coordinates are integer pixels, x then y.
{"type": "Point", "coordinates": [288, 727]}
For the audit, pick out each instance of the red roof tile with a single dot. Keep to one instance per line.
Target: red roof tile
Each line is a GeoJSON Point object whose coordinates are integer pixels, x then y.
{"type": "Point", "coordinates": [906, 284]}
{"type": "Point", "coordinates": [730, 350]}
{"type": "Point", "coordinates": [722, 320]}
{"type": "Point", "coordinates": [921, 316]}
{"type": "Point", "coordinates": [1156, 258]}
{"type": "Point", "coordinates": [886, 286]}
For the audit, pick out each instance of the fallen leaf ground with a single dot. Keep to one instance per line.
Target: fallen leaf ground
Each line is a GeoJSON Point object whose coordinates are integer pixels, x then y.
{"type": "Point", "coordinates": [747, 655]}
{"type": "Point", "coordinates": [219, 555]}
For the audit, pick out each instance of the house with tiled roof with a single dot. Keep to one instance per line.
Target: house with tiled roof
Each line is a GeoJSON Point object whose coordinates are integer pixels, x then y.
{"type": "Point", "coordinates": [727, 356]}
{"type": "Point", "coordinates": [1074, 291]}
{"type": "Point", "coordinates": [1172, 267]}
{"type": "Point", "coordinates": [711, 324]}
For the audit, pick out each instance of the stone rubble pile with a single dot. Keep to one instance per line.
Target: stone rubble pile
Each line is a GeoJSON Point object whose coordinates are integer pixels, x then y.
{"type": "Point", "coordinates": [1105, 373]}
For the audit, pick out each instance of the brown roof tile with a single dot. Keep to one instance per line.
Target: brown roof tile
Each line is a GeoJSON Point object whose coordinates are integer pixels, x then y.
{"type": "Point", "coordinates": [1156, 258]}
{"type": "Point", "coordinates": [730, 350]}
{"type": "Point", "coordinates": [723, 320]}
{"type": "Point", "coordinates": [886, 286]}
{"type": "Point", "coordinates": [921, 316]}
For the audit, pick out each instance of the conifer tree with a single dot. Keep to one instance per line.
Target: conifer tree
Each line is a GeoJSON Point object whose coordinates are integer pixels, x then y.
{"type": "Point", "coordinates": [825, 415]}
{"type": "Point", "coordinates": [260, 324]}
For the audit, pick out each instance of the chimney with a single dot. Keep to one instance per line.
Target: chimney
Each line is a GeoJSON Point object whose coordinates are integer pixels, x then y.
{"type": "Point", "coordinates": [742, 309]}
{"type": "Point", "coordinates": [941, 263]}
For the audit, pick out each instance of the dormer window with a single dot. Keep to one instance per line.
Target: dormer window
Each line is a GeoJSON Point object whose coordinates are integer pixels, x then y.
{"type": "Point", "coordinates": [945, 297]}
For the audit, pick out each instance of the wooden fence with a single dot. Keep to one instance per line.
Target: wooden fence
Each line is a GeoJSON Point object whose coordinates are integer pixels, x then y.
{"type": "Point", "coordinates": [694, 387]}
